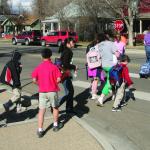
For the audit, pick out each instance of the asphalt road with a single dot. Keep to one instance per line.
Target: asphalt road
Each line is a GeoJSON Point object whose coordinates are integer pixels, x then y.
{"type": "Point", "coordinates": [126, 130]}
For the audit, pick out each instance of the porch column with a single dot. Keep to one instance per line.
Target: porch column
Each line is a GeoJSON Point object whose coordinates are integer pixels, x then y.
{"type": "Point", "coordinates": [52, 26]}
{"type": "Point", "coordinates": [106, 26]}
{"type": "Point", "coordinates": [43, 28]}
{"type": "Point", "coordinates": [141, 27]}
{"type": "Point", "coordinates": [75, 27]}
{"type": "Point", "coordinates": [59, 26]}
{"type": "Point", "coordinates": [15, 30]}
{"type": "Point", "coordinates": [4, 28]}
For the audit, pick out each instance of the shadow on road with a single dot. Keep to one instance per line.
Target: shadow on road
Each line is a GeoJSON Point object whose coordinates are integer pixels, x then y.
{"type": "Point", "coordinates": [82, 100]}
{"type": "Point", "coordinates": [12, 116]}
{"type": "Point", "coordinates": [2, 90]}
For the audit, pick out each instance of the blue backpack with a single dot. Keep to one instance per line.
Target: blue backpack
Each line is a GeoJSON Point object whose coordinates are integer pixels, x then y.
{"type": "Point", "coordinates": [145, 70]}
{"type": "Point", "coordinates": [115, 75]}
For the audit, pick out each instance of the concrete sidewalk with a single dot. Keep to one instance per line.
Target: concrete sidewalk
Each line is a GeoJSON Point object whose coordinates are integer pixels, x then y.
{"type": "Point", "coordinates": [22, 134]}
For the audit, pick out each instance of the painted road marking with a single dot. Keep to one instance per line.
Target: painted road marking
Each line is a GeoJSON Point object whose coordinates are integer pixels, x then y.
{"type": "Point", "coordinates": [134, 75]}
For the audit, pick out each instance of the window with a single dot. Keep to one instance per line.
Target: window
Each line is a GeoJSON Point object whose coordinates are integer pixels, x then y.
{"type": "Point", "coordinates": [53, 34]}
{"type": "Point", "coordinates": [63, 33]}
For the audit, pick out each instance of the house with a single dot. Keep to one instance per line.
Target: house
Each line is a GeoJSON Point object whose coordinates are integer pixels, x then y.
{"type": "Point", "coordinates": [144, 15]}
{"type": "Point", "coordinates": [14, 24]}
{"type": "Point", "coordinates": [2, 19]}
{"type": "Point", "coordinates": [71, 17]}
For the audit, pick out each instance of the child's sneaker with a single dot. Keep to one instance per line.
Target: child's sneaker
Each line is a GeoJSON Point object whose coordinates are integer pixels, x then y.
{"type": "Point", "coordinates": [123, 104]}
{"type": "Point", "coordinates": [20, 108]}
{"type": "Point", "coordinates": [40, 133]}
{"type": "Point", "coordinates": [94, 96]}
{"type": "Point", "coordinates": [117, 109]}
{"type": "Point", "coordinates": [59, 126]}
{"type": "Point", "coordinates": [100, 102]}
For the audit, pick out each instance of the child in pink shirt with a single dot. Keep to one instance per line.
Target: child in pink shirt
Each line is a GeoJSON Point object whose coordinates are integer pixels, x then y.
{"type": "Point", "coordinates": [120, 45]}
{"type": "Point", "coordinates": [47, 76]}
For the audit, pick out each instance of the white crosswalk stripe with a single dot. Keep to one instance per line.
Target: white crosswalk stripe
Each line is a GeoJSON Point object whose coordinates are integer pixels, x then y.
{"type": "Point", "coordinates": [134, 75]}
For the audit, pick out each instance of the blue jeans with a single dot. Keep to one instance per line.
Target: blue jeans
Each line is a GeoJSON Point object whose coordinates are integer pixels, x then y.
{"type": "Point", "coordinates": [69, 93]}
{"type": "Point", "coordinates": [147, 50]}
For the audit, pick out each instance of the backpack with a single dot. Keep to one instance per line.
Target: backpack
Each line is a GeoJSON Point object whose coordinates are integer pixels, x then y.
{"type": "Point", "coordinates": [145, 70]}
{"type": "Point", "coordinates": [11, 72]}
{"type": "Point", "coordinates": [115, 75]}
{"type": "Point", "coordinates": [93, 58]}
{"type": "Point", "coordinates": [58, 62]}
{"type": "Point", "coordinates": [6, 76]}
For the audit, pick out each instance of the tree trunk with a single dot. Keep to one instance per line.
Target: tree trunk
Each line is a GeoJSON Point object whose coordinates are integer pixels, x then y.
{"type": "Point", "coordinates": [130, 35]}
{"type": "Point", "coordinates": [129, 23]}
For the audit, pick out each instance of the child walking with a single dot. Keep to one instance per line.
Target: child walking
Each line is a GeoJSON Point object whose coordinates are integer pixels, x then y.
{"type": "Point", "coordinates": [11, 76]}
{"type": "Point", "coordinates": [126, 82]}
{"type": "Point", "coordinates": [47, 76]}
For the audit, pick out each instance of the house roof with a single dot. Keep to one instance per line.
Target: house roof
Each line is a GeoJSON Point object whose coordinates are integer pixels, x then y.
{"type": "Point", "coordinates": [15, 20]}
{"type": "Point", "coordinates": [73, 10]}
{"type": "Point", "coordinates": [4, 22]}
{"type": "Point", "coordinates": [30, 21]}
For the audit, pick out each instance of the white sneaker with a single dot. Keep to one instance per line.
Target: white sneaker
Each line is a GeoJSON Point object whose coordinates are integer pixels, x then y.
{"type": "Point", "coordinates": [94, 96]}
{"type": "Point", "coordinates": [100, 102]}
{"type": "Point", "coordinates": [20, 108]}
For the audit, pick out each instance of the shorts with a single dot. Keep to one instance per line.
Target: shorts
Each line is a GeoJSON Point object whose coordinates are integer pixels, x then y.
{"type": "Point", "coordinates": [48, 99]}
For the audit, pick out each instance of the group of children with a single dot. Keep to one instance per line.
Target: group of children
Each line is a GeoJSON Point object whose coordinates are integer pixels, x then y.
{"type": "Point", "coordinates": [47, 76]}
{"type": "Point", "coordinates": [115, 79]}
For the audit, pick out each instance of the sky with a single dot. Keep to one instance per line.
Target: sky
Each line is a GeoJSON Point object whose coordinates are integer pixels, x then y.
{"type": "Point", "coordinates": [25, 3]}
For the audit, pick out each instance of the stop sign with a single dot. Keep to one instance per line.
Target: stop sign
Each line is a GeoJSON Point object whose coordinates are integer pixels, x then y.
{"type": "Point", "coordinates": [118, 25]}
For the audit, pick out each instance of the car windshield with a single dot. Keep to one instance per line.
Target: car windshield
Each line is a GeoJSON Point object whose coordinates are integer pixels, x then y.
{"type": "Point", "coordinates": [72, 33]}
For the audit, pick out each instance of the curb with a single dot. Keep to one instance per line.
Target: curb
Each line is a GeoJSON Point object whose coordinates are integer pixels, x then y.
{"type": "Point", "coordinates": [100, 139]}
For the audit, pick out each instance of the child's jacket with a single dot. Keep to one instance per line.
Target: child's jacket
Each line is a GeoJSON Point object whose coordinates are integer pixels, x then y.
{"type": "Point", "coordinates": [125, 75]}
{"type": "Point", "coordinates": [11, 72]}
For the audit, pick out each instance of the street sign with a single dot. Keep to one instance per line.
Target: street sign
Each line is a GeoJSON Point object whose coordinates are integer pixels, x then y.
{"type": "Point", "coordinates": [118, 25]}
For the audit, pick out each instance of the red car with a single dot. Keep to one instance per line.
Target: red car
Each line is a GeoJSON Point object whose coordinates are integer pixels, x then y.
{"type": "Point", "coordinates": [140, 38]}
{"type": "Point", "coordinates": [58, 37]}
{"type": "Point", "coordinates": [27, 37]}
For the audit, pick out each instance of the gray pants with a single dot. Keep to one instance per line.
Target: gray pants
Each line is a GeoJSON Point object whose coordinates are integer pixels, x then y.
{"type": "Point", "coordinates": [16, 95]}
{"type": "Point", "coordinates": [119, 95]}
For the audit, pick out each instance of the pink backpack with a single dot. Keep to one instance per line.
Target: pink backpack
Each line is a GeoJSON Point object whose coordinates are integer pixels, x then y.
{"type": "Point", "coordinates": [93, 58]}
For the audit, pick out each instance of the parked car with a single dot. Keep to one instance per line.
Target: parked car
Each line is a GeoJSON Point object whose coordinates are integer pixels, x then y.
{"type": "Point", "coordinates": [58, 37]}
{"type": "Point", "coordinates": [140, 38]}
{"type": "Point", "coordinates": [27, 37]}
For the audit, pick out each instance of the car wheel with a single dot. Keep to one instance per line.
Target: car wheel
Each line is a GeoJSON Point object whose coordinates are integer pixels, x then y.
{"type": "Point", "coordinates": [43, 43]}
{"type": "Point", "coordinates": [26, 42]}
{"type": "Point", "coordinates": [59, 43]}
{"type": "Point", "coordinates": [14, 42]}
